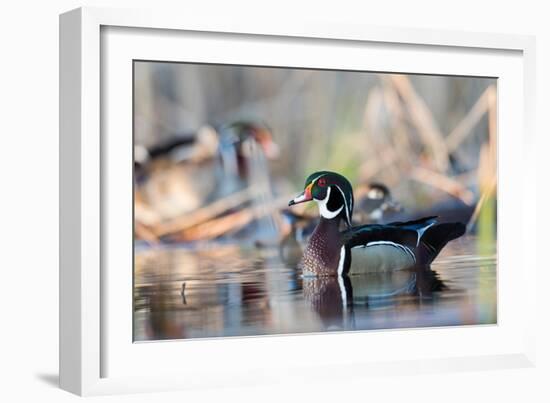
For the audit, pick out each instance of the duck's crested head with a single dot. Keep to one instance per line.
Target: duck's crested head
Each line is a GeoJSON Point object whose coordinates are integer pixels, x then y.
{"type": "Point", "coordinates": [241, 131]}
{"type": "Point", "coordinates": [332, 192]}
{"type": "Point", "coordinates": [377, 191]}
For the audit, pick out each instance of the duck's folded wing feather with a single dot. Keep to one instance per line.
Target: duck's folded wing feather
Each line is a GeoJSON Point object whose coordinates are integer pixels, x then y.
{"type": "Point", "coordinates": [415, 224]}
{"type": "Point", "coordinates": [367, 234]}
{"type": "Point", "coordinates": [404, 233]}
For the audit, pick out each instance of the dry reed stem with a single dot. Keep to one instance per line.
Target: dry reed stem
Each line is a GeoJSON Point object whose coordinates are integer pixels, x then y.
{"type": "Point", "coordinates": [372, 108]}
{"type": "Point", "coordinates": [386, 157]}
{"type": "Point", "coordinates": [477, 211]}
{"type": "Point", "coordinates": [444, 183]}
{"type": "Point", "coordinates": [400, 138]}
{"type": "Point", "coordinates": [487, 166]}
{"type": "Point", "coordinates": [486, 173]}
{"type": "Point", "coordinates": [493, 127]}
{"type": "Point", "coordinates": [472, 118]}
{"type": "Point", "coordinates": [380, 100]}
{"type": "Point", "coordinates": [422, 118]}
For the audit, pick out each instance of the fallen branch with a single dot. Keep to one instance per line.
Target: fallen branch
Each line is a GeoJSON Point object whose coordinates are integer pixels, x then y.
{"type": "Point", "coordinates": [203, 214]}
{"type": "Point", "coordinates": [141, 231]}
{"type": "Point", "coordinates": [231, 222]}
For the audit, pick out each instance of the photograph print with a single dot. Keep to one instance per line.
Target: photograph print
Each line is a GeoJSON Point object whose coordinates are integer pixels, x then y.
{"type": "Point", "coordinates": [279, 200]}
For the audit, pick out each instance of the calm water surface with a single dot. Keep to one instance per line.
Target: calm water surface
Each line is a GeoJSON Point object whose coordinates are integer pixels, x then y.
{"type": "Point", "coordinates": [226, 290]}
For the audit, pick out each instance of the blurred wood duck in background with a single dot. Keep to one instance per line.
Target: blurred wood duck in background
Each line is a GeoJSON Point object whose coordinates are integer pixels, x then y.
{"type": "Point", "coordinates": [174, 177]}
{"type": "Point", "coordinates": [183, 174]}
{"type": "Point", "coordinates": [367, 248]}
{"type": "Point", "coordinates": [244, 149]}
{"type": "Point", "coordinates": [374, 203]}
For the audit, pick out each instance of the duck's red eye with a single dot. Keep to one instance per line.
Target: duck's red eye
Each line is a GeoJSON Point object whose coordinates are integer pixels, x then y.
{"type": "Point", "coordinates": [322, 182]}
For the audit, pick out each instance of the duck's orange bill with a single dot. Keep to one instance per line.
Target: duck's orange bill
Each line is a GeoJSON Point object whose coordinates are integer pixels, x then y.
{"type": "Point", "coordinates": [302, 197]}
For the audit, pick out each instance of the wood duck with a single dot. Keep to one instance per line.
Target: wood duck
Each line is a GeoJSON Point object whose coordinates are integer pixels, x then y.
{"type": "Point", "coordinates": [182, 147]}
{"type": "Point", "coordinates": [176, 177]}
{"type": "Point", "coordinates": [245, 151]}
{"type": "Point", "coordinates": [375, 203]}
{"type": "Point", "coordinates": [367, 248]}
{"type": "Point", "coordinates": [190, 170]}
{"type": "Point", "coordinates": [245, 147]}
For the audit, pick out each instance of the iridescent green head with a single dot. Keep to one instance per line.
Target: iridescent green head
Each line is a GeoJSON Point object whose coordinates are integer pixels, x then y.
{"type": "Point", "coordinates": [332, 192]}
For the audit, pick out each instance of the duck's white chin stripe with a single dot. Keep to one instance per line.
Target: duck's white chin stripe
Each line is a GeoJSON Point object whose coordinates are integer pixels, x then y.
{"type": "Point", "coordinates": [324, 211]}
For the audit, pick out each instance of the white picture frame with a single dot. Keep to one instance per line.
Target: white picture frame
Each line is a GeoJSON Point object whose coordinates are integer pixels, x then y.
{"type": "Point", "coordinates": [96, 356]}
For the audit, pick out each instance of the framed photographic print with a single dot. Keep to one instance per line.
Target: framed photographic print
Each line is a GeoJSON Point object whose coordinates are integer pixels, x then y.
{"type": "Point", "coordinates": [259, 193]}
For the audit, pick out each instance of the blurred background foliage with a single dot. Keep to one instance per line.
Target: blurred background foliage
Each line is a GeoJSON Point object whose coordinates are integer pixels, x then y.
{"type": "Point", "coordinates": [430, 139]}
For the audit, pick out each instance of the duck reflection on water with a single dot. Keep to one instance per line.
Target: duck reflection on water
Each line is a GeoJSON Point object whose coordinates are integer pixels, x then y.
{"type": "Point", "coordinates": [232, 291]}
{"type": "Point", "coordinates": [334, 299]}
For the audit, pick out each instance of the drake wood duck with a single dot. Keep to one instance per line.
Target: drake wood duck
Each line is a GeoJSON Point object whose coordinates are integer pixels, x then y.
{"type": "Point", "coordinates": [367, 248]}
{"type": "Point", "coordinates": [244, 151]}
{"type": "Point", "coordinates": [374, 205]}
{"type": "Point", "coordinates": [190, 170]}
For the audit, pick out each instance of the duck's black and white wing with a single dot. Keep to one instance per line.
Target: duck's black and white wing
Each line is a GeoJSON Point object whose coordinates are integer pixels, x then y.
{"type": "Point", "coordinates": [395, 246]}
{"type": "Point", "coordinates": [378, 248]}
